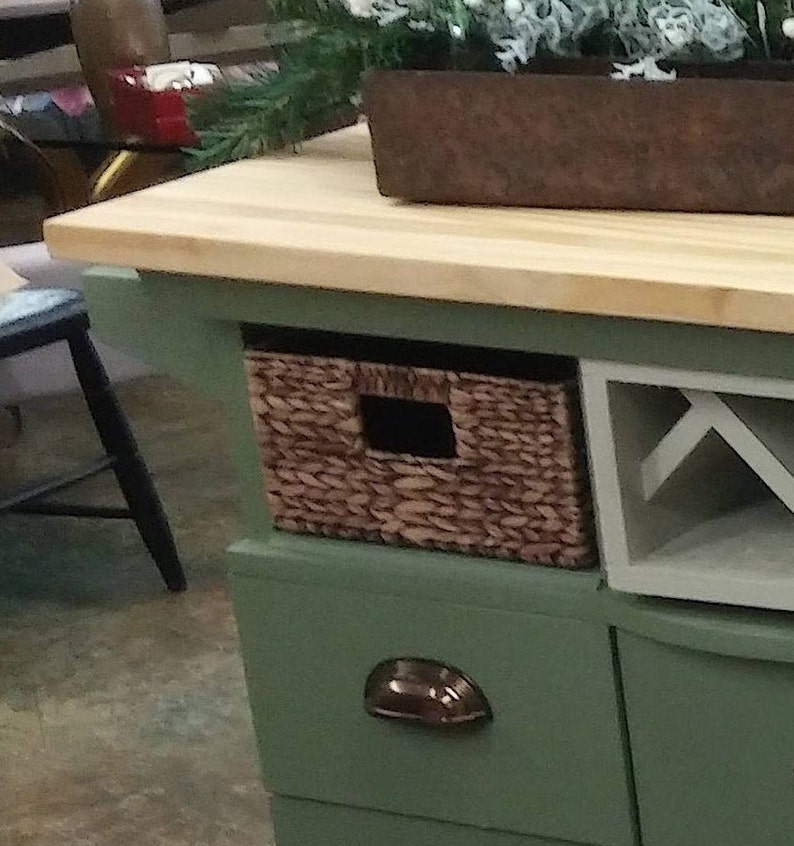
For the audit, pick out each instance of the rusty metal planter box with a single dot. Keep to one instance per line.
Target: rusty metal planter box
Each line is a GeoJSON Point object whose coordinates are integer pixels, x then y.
{"type": "Point", "coordinates": [573, 140]}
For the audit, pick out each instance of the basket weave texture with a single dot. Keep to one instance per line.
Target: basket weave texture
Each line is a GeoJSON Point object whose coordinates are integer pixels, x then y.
{"type": "Point", "coordinates": [517, 487]}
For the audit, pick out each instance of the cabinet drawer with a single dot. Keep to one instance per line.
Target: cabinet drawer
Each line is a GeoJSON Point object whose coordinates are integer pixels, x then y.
{"type": "Point", "coordinates": [303, 823]}
{"type": "Point", "coordinates": [713, 745]}
{"type": "Point", "coordinates": [550, 763]}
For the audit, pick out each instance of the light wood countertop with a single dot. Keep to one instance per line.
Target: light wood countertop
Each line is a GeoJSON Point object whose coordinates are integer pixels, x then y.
{"type": "Point", "coordinates": [316, 219]}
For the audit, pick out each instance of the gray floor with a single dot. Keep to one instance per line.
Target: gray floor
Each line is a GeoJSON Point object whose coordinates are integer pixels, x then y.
{"type": "Point", "coordinates": [123, 715]}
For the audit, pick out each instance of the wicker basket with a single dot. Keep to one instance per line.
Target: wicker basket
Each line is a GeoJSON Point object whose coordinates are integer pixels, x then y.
{"type": "Point", "coordinates": [508, 481]}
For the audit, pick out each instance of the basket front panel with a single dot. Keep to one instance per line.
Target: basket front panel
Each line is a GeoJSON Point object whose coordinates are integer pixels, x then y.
{"type": "Point", "coordinates": [517, 488]}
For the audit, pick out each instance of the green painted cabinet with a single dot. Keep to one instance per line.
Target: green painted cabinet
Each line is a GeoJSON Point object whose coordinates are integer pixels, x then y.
{"type": "Point", "coordinates": [594, 694]}
{"type": "Point", "coordinates": [550, 764]}
{"type": "Point", "coordinates": [303, 823]}
{"type": "Point", "coordinates": [712, 739]}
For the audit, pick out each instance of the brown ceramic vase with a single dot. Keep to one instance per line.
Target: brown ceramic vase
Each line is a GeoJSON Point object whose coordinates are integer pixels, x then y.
{"type": "Point", "coordinates": [116, 33]}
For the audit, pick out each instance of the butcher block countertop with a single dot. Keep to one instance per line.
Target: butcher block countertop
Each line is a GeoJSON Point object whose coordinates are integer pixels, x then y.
{"type": "Point", "coordinates": [316, 219]}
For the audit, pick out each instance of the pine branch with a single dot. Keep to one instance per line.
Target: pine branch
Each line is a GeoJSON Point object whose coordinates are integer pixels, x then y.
{"type": "Point", "coordinates": [242, 120]}
{"type": "Point", "coordinates": [320, 77]}
{"type": "Point", "coordinates": [324, 12]}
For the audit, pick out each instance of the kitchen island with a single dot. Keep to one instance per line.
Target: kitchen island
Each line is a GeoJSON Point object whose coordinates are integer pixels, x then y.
{"type": "Point", "coordinates": [645, 701]}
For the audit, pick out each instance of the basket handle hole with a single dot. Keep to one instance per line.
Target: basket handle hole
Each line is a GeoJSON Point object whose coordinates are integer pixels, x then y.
{"type": "Point", "coordinates": [408, 427]}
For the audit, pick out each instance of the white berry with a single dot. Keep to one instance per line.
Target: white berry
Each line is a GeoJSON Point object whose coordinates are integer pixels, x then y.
{"type": "Point", "coordinates": [360, 8]}
{"type": "Point", "coordinates": [788, 27]}
{"type": "Point", "coordinates": [513, 8]}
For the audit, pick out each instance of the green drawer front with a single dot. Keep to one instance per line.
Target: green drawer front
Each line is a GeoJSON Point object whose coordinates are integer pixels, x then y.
{"type": "Point", "coordinates": [713, 745]}
{"type": "Point", "coordinates": [550, 764]}
{"type": "Point", "coordinates": [301, 823]}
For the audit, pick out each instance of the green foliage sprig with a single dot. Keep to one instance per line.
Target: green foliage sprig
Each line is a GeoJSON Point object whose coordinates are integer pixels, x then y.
{"type": "Point", "coordinates": [316, 79]}
{"type": "Point", "coordinates": [319, 77]}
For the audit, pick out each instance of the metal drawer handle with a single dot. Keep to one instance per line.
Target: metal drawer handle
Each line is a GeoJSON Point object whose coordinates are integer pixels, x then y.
{"type": "Point", "coordinates": [417, 690]}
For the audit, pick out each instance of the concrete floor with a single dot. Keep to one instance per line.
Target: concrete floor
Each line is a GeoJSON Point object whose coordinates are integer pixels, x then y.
{"type": "Point", "coordinates": [123, 712]}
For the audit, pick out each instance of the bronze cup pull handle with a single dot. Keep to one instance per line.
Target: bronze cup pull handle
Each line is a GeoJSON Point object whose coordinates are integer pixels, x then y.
{"type": "Point", "coordinates": [427, 692]}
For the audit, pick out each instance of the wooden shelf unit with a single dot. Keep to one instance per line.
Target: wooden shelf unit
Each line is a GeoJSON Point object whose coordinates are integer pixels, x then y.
{"type": "Point", "coordinates": [694, 480]}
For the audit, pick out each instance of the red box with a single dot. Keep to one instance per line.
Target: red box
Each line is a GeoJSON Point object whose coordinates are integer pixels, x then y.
{"type": "Point", "coordinates": [151, 117]}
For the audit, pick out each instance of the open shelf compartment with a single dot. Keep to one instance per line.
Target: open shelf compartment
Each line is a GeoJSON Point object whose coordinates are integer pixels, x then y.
{"type": "Point", "coordinates": [694, 483]}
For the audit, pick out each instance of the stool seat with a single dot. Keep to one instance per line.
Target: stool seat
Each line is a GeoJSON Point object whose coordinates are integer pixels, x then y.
{"type": "Point", "coordinates": [48, 370]}
{"type": "Point", "coordinates": [33, 317]}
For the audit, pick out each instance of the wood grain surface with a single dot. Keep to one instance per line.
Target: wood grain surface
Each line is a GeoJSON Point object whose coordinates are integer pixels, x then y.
{"type": "Point", "coordinates": [316, 219]}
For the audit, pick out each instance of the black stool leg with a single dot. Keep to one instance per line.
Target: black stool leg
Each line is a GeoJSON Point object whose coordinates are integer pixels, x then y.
{"type": "Point", "coordinates": [131, 471]}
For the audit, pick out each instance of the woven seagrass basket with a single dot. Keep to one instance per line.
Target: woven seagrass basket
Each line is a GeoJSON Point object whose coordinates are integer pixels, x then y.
{"type": "Point", "coordinates": [440, 459]}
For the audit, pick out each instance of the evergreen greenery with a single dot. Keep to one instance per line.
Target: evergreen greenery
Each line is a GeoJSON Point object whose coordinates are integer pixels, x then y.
{"type": "Point", "coordinates": [319, 79]}
{"type": "Point", "coordinates": [320, 74]}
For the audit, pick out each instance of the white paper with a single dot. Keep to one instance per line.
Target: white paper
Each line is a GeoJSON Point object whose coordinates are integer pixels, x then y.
{"type": "Point", "coordinates": [179, 75]}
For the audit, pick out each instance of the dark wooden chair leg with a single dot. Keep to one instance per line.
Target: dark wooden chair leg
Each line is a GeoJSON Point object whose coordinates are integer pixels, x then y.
{"type": "Point", "coordinates": [130, 469]}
